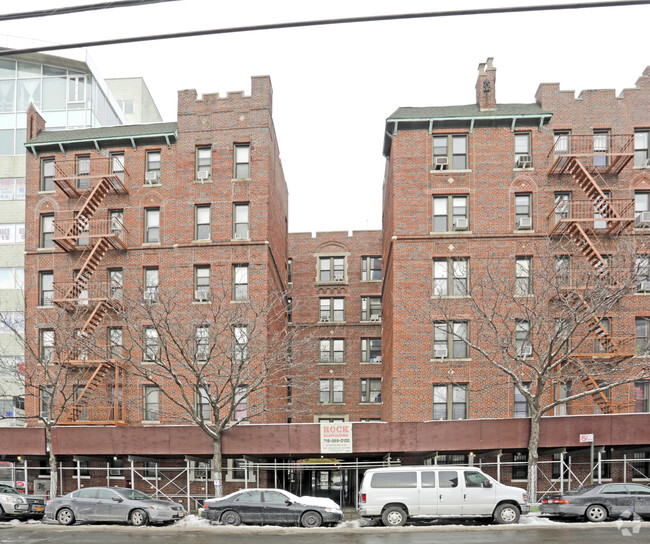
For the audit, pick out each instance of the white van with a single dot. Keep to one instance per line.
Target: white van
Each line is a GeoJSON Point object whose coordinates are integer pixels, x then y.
{"type": "Point", "coordinates": [394, 494]}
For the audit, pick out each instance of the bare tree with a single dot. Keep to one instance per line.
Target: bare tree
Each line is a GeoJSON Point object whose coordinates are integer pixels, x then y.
{"type": "Point", "coordinates": [545, 323]}
{"type": "Point", "coordinates": [216, 362]}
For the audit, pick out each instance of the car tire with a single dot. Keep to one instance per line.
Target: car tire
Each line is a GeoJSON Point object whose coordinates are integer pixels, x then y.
{"type": "Point", "coordinates": [311, 519]}
{"type": "Point", "coordinates": [65, 516]}
{"type": "Point", "coordinates": [138, 518]}
{"type": "Point", "coordinates": [505, 514]}
{"type": "Point", "coordinates": [230, 517]}
{"type": "Point", "coordinates": [596, 513]}
{"type": "Point", "coordinates": [394, 516]}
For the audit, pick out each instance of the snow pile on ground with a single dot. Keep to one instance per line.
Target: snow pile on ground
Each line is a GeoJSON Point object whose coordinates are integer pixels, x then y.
{"type": "Point", "coordinates": [192, 521]}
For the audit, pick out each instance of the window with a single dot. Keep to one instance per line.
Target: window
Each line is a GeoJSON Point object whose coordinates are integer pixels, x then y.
{"type": "Point", "coordinates": [642, 209]}
{"type": "Point", "coordinates": [642, 328]}
{"type": "Point", "coordinates": [237, 472]}
{"type": "Point", "coordinates": [523, 154]}
{"type": "Point", "coordinates": [450, 399]}
{"type": "Point", "coordinates": [76, 88]}
{"type": "Point", "coordinates": [641, 148]}
{"type": "Point", "coordinates": [202, 339]}
{"type": "Point", "coordinates": [523, 345]}
{"type": "Point", "coordinates": [203, 162]}
{"type": "Point", "coordinates": [331, 350]}
{"type": "Point", "coordinates": [563, 270]}
{"type": "Point", "coordinates": [240, 339]}
{"type": "Point", "coordinates": [520, 466]}
{"type": "Point", "coordinates": [117, 165]}
{"type": "Point", "coordinates": [202, 283]}
{"type": "Point", "coordinates": [371, 390]}
{"type": "Point", "coordinates": [128, 106]}
{"type": "Point", "coordinates": [331, 269]}
{"type": "Point", "coordinates": [115, 283]}
{"type": "Point", "coordinates": [331, 391]}
{"type": "Point", "coordinates": [12, 189]}
{"type": "Point", "coordinates": [371, 350]}
{"type": "Point", "coordinates": [640, 465]}
{"type": "Point", "coordinates": [331, 309]}
{"type": "Point", "coordinates": [642, 271]}
{"type": "Point", "coordinates": [523, 283]}
{"type": "Point", "coordinates": [641, 396]}
{"type": "Point", "coordinates": [47, 345]}
{"type": "Point", "coordinates": [449, 340]}
{"type": "Point", "coordinates": [394, 480]}
{"type": "Point", "coordinates": [114, 343]}
{"type": "Point", "coordinates": [370, 268]}
{"type": "Point", "coordinates": [12, 278]}
{"type": "Point", "coordinates": [601, 341]}
{"type": "Point", "coordinates": [116, 223]}
{"type": "Point", "coordinates": [523, 211]}
{"type": "Point", "coordinates": [598, 208]}
{"type": "Point", "coordinates": [152, 172]}
{"type": "Point", "coordinates": [152, 225]}
{"type": "Point", "coordinates": [47, 230]}
{"type": "Point", "coordinates": [83, 171]}
{"type": "Point", "coordinates": [45, 401]}
{"type": "Point", "coordinates": [241, 221]}
{"type": "Point", "coordinates": [151, 403]}
{"type": "Point", "coordinates": [601, 147]}
{"type": "Point", "coordinates": [443, 220]}
{"type": "Point", "coordinates": [151, 282]}
{"type": "Point", "coordinates": [203, 408]}
{"type": "Point", "coordinates": [450, 150]}
{"type": "Point", "coordinates": [12, 322]}
{"type": "Point", "coordinates": [563, 391]}
{"type": "Point", "coordinates": [46, 288]}
{"type": "Point", "coordinates": [47, 175]}
{"type": "Point", "coordinates": [240, 282]}
{"type": "Point", "coordinates": [242, 161]}
{"type": "Point", "coordinates": [450, 277]}
{"type": "Point", "coordinates": [521, 405]}
{"type": "Point", "coordinates": [151, 347]}
{"type": "Point", "coordinates": [562, 206]}
{"type": "Point", "coordinates": [116, 471]}
{"type": "Point", "coordinates": [370, 308]}
{"type": "Point", "coordinates": [289, 270]}
{"type": "Point", "coordinates": [562, 143]}
{"type": "Point", "coordinates": [241, 403]}
{"type": "Point", "coordinates": [202, 222]}
{"type": "Point", "coordinates": [289, 309]}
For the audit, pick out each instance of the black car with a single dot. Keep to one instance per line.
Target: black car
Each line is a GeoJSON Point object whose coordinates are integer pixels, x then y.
{"type": "Point", "coordinates": [597, 502]}
{"type": "Point", "coordinates": [272, 507]}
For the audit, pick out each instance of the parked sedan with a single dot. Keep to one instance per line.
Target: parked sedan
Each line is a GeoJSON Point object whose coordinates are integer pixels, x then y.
{"type": "Point", "coordinates": [597, 502]}
{"type": "Point", "coordinates": [272, 507]}
{"type": "Point", "coordinates": [109, 504]}
{"type": "Point", "coordinates": [13, 504]}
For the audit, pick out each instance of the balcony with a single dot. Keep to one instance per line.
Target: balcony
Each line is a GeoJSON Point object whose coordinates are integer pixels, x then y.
{"type": "Point", "coordinates": [599, 153]}
{"type": "Point", "coordinates": [606, 218]}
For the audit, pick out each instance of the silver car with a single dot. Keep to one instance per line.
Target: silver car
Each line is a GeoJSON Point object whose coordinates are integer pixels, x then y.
{"type": "Point", "coordinates": [112, 504]}
{"type": "Point", "coordinates": [13, 504]}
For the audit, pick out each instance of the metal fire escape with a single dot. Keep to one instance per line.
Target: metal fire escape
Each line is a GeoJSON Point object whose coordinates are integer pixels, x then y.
{"type": "Point", "coordinates": [82, 232]}
{"type": "Point", "coordinates": [590, 223]}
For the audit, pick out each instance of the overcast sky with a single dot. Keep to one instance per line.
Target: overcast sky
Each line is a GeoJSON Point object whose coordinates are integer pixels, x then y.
{"type": "Point", "coordinates": [335, 86]}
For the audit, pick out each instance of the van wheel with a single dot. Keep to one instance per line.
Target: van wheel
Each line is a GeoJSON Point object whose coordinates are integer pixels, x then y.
{"type": "Point", "coordinates": [506, 513]}
{"type": "Point", "coordinates": [393, 516]}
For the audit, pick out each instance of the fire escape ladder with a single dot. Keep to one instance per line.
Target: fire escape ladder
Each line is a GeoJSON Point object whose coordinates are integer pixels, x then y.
{"type": "Point", "coordinates": [96, 316]}
{"type": "Point", "coordinates": [100, 190]}
{"type": "Point", "coordinates": [93, 382]}
{"type": "Point", "coordinates": [89, 262]}
{"type": "Point", "coordinates": [600, 398]}
{"type": "Point", "coordinates": [588, 249]}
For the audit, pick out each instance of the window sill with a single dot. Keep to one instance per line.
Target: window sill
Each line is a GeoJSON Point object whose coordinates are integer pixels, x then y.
{"type": "Point", "coordinates": [46, 249]}
{"type": "Point", "coordinates": [449, 171]}
{"type": "Point", "coordinates": [370, 362]}
{"type": "Point", "coordinates": [520, 480]}
{"type": "Point", "coordinates": [81, 477]}
{"type": "Point", "coordinates": [433, 297]}
{"type": "Point", "coordinates": [208, 241]}
{"type": "Point", "coordinates": [331, 403]}
{"type": "Point", "coordinates": [46, 192]}
{"type": "Point", "coordinates": [371, 281]}
{"type": "Point", "coordinates": [240, 301]}
{"type": "Point", "coordinates": [240, 239]}
{"type": "Point", "coordinates": [319, 322]}
{"type": "Point", "coordinates": [240, 179]}
{"type": "Point", "coordinates": [333, 282]}
{"type": "Point", "coordinates": [201, 302]}
{"type": "Point", "coordinates": [523, 231]}
{"type": "Point", "coordinates": [639, 479]}
{"type": "Point", "coordinates": [153, 184]}
{"type": "Point", "coordinates": [323, 363]}
{"type": "Point", "coordinates": [150, 422]}
{"type": "Point", "coordinates": [370, 321]}
{"type": "Point", "coordinates": [148, 244]}
{"type": "Point", "coordinates": [642, 230]}
{"type": "Point", "coordinates": [365, 403]}
{"type": "Point", "coordinates": [531, 169]}
{"type": "Point", "coordinates": [459, 360]}
{"type": "Point", "coordinates": [203, 181]}
{"type": "Point", "coordinates": [45, 307]}
{"type": "Point", "coordinates": [450, 232]}
{"type": "Point", "coordinates": [530, 295]}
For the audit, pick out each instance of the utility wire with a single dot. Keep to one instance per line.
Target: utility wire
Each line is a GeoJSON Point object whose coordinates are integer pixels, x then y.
{"type": "Point", "coordinates": [78, 9]}
{"type": "Point", "coordinates": [326, 22]}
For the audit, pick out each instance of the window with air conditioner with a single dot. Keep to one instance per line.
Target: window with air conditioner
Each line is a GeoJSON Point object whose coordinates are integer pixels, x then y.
{"type": "Point", "coordinates": [370, 308]}
{"type": "Point", "coordinates": [450, 213]}
{"type": "Point", "coordinates": [450, 339]}
{"type": "Point", "coordinates": [523, 211]}
{"type": "Point", "coordinates": [642, 271]}
{"type": "Point", "coordinates": [152, 168]}
{"type": "Point", "coordinates": [331, 309]}
{"type": "Point", "coordinates": [523, 156]}
{"type": "Point", "coordinates": [371, 350]}
{"type": "Point", "coordinates": [642, 209]}
{"type": "Point", "coordinates": [203, 163]}
{"type": "Point", "coordinates": [202, 283]}
{"type": "Point", "coordinates": [450, 152]}
{"type": "Point", "coordinates": [331, 269]}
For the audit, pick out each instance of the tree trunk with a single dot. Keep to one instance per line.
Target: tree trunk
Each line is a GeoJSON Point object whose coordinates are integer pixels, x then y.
{"type": "Point", "coordinates": [54, 474]}
{"type": "Point", "coordinates": [216, 464]}
{"type": "Point", "coordinates": [533, 456]}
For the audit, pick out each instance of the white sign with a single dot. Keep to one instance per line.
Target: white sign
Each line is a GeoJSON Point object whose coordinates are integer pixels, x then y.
{"type": "Point", "coordinates": [586, 438]}
{"type": "Point", "coordinates": [336, 437]}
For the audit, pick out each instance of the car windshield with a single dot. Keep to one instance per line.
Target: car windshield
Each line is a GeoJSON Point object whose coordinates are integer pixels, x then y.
{"type": "Point", "coordinates": [8, 489]}
{"type": "Point", "coordinates": [582, 489]}
{"type": "Point", "coordinates": [134, 494]}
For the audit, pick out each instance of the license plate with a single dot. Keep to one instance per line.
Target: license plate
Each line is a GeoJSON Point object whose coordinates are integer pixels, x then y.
{"type": "Point", "coordinates": [39, 508]}
{"type": "Point", "coordinates": [181, 515]}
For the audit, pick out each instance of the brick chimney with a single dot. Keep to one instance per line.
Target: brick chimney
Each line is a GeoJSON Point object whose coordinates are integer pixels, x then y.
{"type": "Point", "coordinates": [486, 97]}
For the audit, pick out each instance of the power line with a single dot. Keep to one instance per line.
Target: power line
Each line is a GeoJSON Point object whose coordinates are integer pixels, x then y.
{"type": "Point", "coordinates": [327, 22]}
{"type": "Point", "coordinates": [78, 9]}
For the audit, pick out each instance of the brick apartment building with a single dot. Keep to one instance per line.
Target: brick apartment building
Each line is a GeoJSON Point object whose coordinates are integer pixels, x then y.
{"type": "Point", "coordinates": [202, 204]}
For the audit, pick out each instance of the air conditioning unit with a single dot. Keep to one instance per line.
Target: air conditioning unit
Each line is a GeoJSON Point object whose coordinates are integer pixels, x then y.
{"type": "Point", "coordinates": [644, 286]}
{"type": "Point", "coordinates": [375, 317]}
{"type": "Point", "coordinates": [376, 359]}
{"type": "Point", "coordinates": [525, 223]}
{"type": "Point", "coordinates": [462, 223]}
{"type": "Point", "coordinates": [339, 279]}
{"type": "Point", "coordinates": [151, 177]}
{"type": "Point", "coordinates": [439, 353]}
{"type": "Point", "coordinates": [202, 174]}
{"type": "Point", "coordinates": [440, 163]}
{"type": "Point", "coordinates": [324, 319]}
{"type": "Point", "coordinates": [525, 161]}
{"type": "Point", "coordinates": [642, 220]}
{"type": "Point", "coordinates": [201, 295]}
{"type": "Point", "coordinates": [526, 351]}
